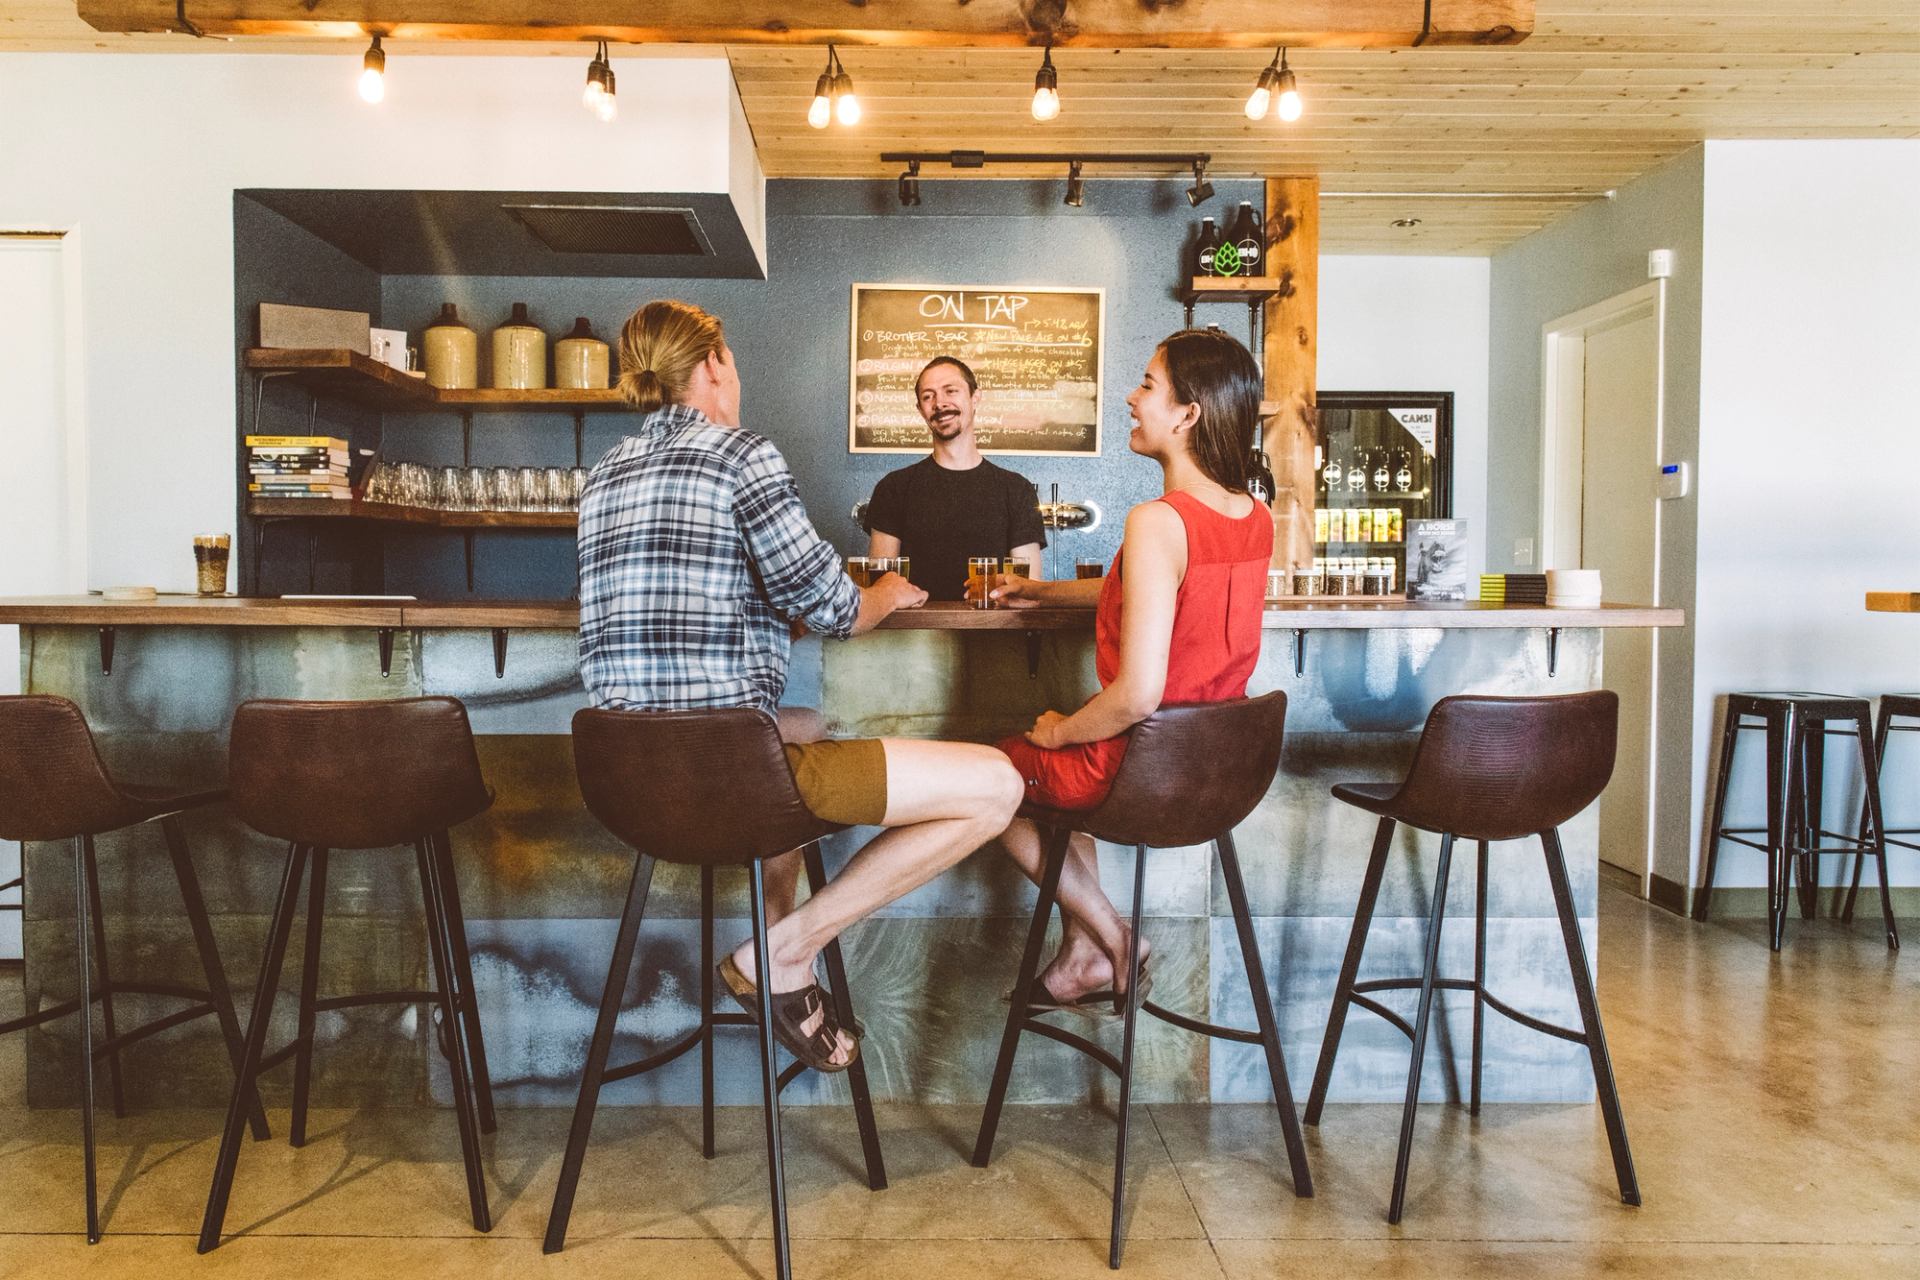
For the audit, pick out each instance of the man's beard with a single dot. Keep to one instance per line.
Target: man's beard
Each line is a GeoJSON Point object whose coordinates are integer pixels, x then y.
{"type": "Point", "coordinates": [946, 428]}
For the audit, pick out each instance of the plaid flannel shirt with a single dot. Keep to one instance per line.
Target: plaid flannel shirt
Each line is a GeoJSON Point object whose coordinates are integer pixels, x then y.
{"type": "Point", "coordinates": [695, 552]}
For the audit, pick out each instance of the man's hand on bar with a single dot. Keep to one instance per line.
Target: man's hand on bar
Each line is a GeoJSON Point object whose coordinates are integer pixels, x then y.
{"type": "Point", "coordinates": [890, 592]}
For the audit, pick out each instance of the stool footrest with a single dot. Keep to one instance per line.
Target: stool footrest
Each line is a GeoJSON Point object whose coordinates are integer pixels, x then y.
{"type": "Point", "coordinates": [1531, 1022]}
{"type": "Point", "coordinates": [788, 1076]}
{"type": "Point", "coordinates": [332, 1003]}
{"type": "Point", "coordinates": [102, 1048]}
{"type": "Point", "coordinates": [683, 1045]}
{"type": "Point", "coordinates": [1493, 1002]}
{"type": "Point", "coordinates": [100, 992]}
{"type": "Point", "coordinates": [1072, 1041]}
{"type": "Point", "coordinates": [1185, 1023]}
{"type": "Point", "coordinates": [1751, 844]}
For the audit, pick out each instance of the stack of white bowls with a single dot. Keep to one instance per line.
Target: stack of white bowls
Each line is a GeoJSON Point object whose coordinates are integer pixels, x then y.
{"type": "Point", "coordinates": [1573, 588]}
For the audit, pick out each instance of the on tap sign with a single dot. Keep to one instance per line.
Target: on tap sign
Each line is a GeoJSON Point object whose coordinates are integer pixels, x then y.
{"type": "Point", "coordinates": [1035, 351]}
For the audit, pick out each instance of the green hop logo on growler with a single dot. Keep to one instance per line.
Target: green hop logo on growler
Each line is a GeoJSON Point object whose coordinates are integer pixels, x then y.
{"type": "Point", "coordinates": [1226, 260]}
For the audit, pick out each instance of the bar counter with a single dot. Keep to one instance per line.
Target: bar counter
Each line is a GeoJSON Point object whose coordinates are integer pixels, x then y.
{"type": "Point", "coordinates": [543, 884]}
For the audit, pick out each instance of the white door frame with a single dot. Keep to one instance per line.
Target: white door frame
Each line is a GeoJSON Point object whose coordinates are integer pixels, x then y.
{"type": "Point", "coordinates": [1562, 465]}
{"type": "Point", "coordinates": [15, 239]}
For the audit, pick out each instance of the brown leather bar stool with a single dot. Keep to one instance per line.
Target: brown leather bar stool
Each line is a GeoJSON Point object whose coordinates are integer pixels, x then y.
{"type": "Point", "coordinates": [360, 775]}
{"type": "Point", "coordinates": [706, 789]}
{"type": "Point", "coordinates": [54, 786]}
{"type": "Point", "coordinates": [1486, 769]}
{"type": "Point", "coordinates": [1797, 728]}
{"type": "Point", "coordinates": [1191, 775]}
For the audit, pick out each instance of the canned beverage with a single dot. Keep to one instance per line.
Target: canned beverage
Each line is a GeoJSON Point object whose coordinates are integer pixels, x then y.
{"type": "Point", "coordinates": [1366, 525]}
{"type": "Point", "coordinates": [1320, 515]}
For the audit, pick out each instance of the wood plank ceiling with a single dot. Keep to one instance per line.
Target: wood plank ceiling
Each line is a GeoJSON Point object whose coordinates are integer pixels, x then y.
{"type": "Point", "coordinates": [1485, 144]}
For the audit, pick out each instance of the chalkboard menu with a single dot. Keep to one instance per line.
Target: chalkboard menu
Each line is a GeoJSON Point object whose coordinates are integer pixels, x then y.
{"type": "Point", "coordinates": [1035, 351]}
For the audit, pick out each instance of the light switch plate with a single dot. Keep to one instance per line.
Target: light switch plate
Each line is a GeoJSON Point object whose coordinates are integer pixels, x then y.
{"type": "Point", "coordinates": [1674, 481]}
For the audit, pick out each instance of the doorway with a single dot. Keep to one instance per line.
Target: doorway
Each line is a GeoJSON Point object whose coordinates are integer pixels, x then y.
{"type": "Point", "coordinates": [1601, 451]}
{"type": "Point", "coordinates": [42, 490]}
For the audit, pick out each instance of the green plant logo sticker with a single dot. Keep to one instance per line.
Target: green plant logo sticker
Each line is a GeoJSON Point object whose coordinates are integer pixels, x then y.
{"type": "Point", "coordinates": [1226, 260]}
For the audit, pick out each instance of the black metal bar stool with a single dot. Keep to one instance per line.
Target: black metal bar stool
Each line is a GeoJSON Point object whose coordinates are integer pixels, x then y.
{"type": "Point", "coordinates": [1486, 769]}
{"type": "Point", "coordinates": [1893, 707]}
{"type": "Point", "coordinates": [707, 789]}
{"type": "Point", "coordinates": [54, 786]}
{"type": "Point", "coordinates": [360, 775]}
{"type": "Point", "coordinates": [1191, 774]}
{"type": "Point", "coordinates": [1796, 728]}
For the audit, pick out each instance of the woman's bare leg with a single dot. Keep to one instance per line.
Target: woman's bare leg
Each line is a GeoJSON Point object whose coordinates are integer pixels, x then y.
{"type": "Point", "coordinates": [1093, 940]}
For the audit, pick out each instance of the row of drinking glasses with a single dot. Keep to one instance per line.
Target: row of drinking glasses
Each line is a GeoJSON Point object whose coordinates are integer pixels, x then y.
{"type": "Point", "coordinates": [411, 484]}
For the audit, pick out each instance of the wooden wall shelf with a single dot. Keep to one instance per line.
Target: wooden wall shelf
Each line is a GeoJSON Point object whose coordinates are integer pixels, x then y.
{"type": "Point", "coordinates": [1229, 289]}
{"type": "Point", "coordinates": [367, 381]}
{"type": "Point", "coordinates": [386, 513]}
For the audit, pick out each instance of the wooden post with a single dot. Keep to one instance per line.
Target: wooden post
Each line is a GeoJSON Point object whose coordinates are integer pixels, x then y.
{"type": "Point", "coordinates": [1292, 345]}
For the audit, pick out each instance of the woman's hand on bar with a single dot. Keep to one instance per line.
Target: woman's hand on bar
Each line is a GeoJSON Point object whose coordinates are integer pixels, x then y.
{"type": "Point", "coordinates": [1015, 592]}
{"type": "Point", "coordinates": [1046, 731]}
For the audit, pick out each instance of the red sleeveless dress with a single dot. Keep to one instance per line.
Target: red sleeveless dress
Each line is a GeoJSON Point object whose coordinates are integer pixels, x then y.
{"type": "Point", "coordinates": [1216, 642]}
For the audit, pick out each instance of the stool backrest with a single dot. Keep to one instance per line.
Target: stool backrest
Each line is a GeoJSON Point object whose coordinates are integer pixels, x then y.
{"type": "Point", "coordinates": [53, 785]}
{"type": "Point", "coordinates": [354, 775]}
{"type": "Point", "coordinates": [707, 787]}
{"type": "Point", "coordinates": [1492, 768]}
{"type": "Point", "coordinates": [1192, 772]}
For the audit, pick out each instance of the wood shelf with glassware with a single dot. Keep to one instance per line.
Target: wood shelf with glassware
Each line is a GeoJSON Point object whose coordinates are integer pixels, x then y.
{"type": "Point", "coordinates": [392, 513]}
{"type": "Point", "coordinates": [367, 381]}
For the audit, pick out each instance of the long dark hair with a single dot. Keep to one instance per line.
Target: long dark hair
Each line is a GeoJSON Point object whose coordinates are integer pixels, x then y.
{"type": "Point", "coordinates": [1211, 370]}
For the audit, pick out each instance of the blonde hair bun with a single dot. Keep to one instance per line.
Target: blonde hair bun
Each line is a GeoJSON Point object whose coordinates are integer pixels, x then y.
{"type": "Point", "coordinates": [660, 346]}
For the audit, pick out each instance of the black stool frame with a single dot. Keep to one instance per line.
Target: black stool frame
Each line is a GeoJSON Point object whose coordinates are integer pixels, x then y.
{"type": "Point", "coordinates": [1796, 733]}
{"type": "Point", "coordinates": [1350, 992]}
{"type": "Point", "coordinates": [1892, 706]}
{"type": "Point", "coordinates": [457, 1032]}
{"type": "Point", "coordinates": [597, 1073]}
{"type": "Point", "coordinates": [90, 950]}
{"type": "Point", "coordinates": [1021, 1017]}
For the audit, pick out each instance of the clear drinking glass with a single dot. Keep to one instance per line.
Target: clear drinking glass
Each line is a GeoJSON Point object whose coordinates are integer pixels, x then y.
{"type": "Point", "coordinates": [578, 482]}
{"type": "Point", "coordinates": [981, 571]}
{"type": "Point", "coordinates": [473, 489]}
{"type": "Point", "coordinates": [528, 484]}
{"type": "Point", "coordinates": [446, 489]}
{"type": "Point", "coordinates": [559, 488]}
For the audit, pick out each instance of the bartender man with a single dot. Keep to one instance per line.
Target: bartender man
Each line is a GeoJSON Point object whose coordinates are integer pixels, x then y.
{"type": "Point", "coordinates": [952, 504]}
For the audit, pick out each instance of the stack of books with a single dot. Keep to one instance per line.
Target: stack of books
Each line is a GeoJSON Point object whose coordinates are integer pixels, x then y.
{"type": "Point", "coordinates": [297, 467]}
{"type": "Point", "coordinates": [1514, 588]}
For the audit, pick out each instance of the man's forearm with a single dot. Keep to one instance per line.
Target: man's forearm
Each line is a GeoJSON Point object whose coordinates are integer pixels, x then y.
{"type": "Point", "coordinates": [872, 609]}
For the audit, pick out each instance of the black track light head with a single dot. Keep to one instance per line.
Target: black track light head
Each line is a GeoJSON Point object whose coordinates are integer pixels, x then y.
{"type": "Point", "coordinates": [1076, 186]}
{"type": "Point", "coordinates": [910, 186]}
{"type": "Point", "coordinates": [1201, 191]}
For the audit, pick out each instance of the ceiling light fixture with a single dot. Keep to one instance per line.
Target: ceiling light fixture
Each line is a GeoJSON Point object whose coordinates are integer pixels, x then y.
{"type": "Point", "coordinates": [910, 186]}
{"type": "Point", "coordinates": [1277, 82]}
{"type": "Point", "coordinates": [1201, 191]}
{"type": "Point", "coordinates": [833, 96]}
{"type": "Point", "coordinates": [1404, 223]}
{"type": "Point", "coordinates": [373, 72]}
{"type": "Point", "coordinates": [1046, 88]}
{"type": "Point", "coordinates": [1289, 106]}
{"type": "Point", "coordinates": [598, 95]}
{"type": "Point", "coordinates": [1076, 186]}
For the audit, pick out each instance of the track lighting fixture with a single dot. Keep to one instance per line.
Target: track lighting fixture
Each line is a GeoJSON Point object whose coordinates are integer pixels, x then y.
{"type": "Point", "coordinates": [1076, 186]}
{"type": "Point", "coordinates": [1276, 82]}
{"type": "Point", "coordinates": [1046, 88]}
{"type": "Point", "coordinates": [910, 186]}
{"type": "Point", "coordinates": [833, 96]}
{"type": "Point", "coordinates": [373, 72]}
{"type": "Point", "coordinates": [1201, 191]}
{"type": "Point", "coordinates": [598, 95]}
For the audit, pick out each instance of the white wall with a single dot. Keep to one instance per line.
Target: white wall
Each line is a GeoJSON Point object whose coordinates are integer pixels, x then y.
{"type": "Point", "coordinates": [1394, 323]}
{"type": "Point", "coordinates": [142, 155]}
{"type": "Point", "coordinates": [1809, 465]}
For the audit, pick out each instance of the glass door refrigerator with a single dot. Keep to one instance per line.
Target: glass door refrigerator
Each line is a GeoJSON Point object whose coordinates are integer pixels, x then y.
{"type": "Point", "coordinates": [1384, 459]}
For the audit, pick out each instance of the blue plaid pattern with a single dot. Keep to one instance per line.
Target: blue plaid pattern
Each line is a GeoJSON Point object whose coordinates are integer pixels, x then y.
{"type": "Point", "coordinates": [695, 551]}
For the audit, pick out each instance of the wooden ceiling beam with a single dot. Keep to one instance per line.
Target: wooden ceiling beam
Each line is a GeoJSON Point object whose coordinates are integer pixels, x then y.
{"type": "Point", "coordinates": [1101, 24]}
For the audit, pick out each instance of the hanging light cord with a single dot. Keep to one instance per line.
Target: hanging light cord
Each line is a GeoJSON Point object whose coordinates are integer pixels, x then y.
{"type": "Point", "coordinates": [183, 24]}
{"type": "Point", "coordinates": [1426, 25]}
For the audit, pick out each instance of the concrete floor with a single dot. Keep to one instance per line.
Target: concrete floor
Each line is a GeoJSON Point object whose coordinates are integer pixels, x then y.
{"type": "Point", "coordinates": [1773, 1103]}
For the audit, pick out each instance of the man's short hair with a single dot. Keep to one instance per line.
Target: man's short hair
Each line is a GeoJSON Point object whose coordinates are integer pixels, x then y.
{"type": "Point", "coordinates": [973, 384]}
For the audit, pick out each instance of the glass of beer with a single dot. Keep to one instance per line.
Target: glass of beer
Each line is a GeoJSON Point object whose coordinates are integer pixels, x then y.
{"type": "Point", "coordinates": [903, 565]}
{"type": "Point", "coordinates": [981, 571]}
{"type": "Point", "coordinates": [210, 552]}
{"type": "Point", "coordinates": [860, 569]}
{"type": "Point", "coordinates": [1086, 567]}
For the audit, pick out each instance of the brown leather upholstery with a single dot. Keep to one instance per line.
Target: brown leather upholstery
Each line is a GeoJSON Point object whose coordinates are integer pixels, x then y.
{"type": "Point", "coordinates": [1501, 768]}
{"type": "Point", "coordinates": [354, 775]}
{"type": "Point", "coordinates": [53, 784]}
{"type": "Point", "coordinates": [705, 787]}
{"type": "Point", "coordinates": [1190, 773]}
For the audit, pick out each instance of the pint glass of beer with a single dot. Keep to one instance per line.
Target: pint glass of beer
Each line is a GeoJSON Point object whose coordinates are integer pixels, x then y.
{"type": "Point", "coordinates": [859, 568]}
{"type": "Point", "coordinates": [981, 571]}
{"type": "Point", "coordinates": [1086, 567]}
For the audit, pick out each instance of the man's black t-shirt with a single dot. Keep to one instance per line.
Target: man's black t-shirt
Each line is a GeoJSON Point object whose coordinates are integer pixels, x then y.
{"type": "Point", "coordinates": [944, 517]}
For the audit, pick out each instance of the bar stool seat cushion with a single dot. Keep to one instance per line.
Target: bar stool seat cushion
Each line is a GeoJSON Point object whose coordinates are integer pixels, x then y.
{"type": "Point", "coordinates": [54, 786]}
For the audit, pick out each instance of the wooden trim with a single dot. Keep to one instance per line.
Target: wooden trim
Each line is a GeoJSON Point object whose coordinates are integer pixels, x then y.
{"type": "Point", "coordinates": [957, 615]}
{"type": "Point", "coordinates": [372, 382]}
{"type": "Point", "coordinates": [1291, 364]}
{"type": "Point", "coordinates": [386, 513]}
{"type": "Point", "coordinates": [546, 398]}
{"type": "Point", "coordinates": [1202, 289]}
{"type": "Point", "coordinates": [1893, 601]}
{"type": "Point", "coordinates": [1328, 614]}
{"type": "Point", "coordinates": [194, 611]}
{"type": "Point", "coordinates": [525, 615]}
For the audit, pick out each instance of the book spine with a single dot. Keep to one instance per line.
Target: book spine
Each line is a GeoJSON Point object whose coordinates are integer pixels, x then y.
{"type": "Point", "coordinates": [291, 442]}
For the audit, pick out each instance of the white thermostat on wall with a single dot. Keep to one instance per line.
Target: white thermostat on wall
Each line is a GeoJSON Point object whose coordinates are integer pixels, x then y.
{"type": "Point", "coordinates": [1673, 481]}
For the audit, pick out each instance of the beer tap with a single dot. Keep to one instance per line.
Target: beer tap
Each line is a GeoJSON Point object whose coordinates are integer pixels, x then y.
{"type": "Point", "coordinates": [1055, 514]}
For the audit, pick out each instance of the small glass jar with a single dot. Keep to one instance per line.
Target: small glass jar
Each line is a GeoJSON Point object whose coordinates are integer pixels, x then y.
{"type": "Point", "coordinates": [1308, 582]}
{"type": "Point", "coordinates": [1339, 583]}
{"type": "Point", "coordinates": [1279, 584]}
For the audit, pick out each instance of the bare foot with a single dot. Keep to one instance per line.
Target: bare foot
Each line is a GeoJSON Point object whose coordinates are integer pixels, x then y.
{"type": "Point", "coordinates": [793, 978]}
{"type": "Point", "coordinates": [1081, 967]}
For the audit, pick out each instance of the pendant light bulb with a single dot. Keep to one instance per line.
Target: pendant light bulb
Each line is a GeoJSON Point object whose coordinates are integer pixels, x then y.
{"type": "Point", "coordinates": [1046, 89]}
{"type": "Point", "coordinates": [606, 108]}
{"type": "Point", "coordinates": [1290, 103]}
{"type": "Point", "coordinates": [373, 72]}
{"type": "Point", "coordinates": [596, 89]}
{"type": "Point", "coordinates": [1261, 99]}
{"type": "Point", "coordinates": [820, 114]}
{"type": "Point", "coordinates": [846, 106]}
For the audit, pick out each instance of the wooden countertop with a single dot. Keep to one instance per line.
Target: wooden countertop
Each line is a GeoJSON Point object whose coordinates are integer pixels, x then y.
{"type": "Point", "coordinates": [1893, 601]}
{"type": "Point", "coordinates": [564, 615]}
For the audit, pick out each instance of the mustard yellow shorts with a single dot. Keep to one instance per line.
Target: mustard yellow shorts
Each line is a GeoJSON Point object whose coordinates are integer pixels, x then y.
{"type": "Point", "coordinates": [843, 780]}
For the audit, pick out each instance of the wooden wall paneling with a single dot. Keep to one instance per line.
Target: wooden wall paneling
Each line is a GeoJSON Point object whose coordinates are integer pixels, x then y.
{"type": "Point", "coordinates": [1291, 357]}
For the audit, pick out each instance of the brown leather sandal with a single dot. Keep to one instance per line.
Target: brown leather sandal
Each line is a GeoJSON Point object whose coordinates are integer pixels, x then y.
{"type": "Point", "coordinates": [791, 1010]}
{"type": "Point", "coordinates": [1104, 1003]}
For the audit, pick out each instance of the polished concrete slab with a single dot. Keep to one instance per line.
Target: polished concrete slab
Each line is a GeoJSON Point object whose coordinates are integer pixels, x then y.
{"type": "Point", "coordinates": [1770, 1101]}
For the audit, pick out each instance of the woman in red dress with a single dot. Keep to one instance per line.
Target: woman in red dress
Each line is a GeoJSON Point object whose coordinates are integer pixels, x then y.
{"type": "Point", "coordinates": [1177, 621]}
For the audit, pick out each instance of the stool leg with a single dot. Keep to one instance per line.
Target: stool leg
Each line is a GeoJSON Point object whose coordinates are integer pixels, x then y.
{"type": "Point", "coordinates": [1779, 747]}
{"type": "Point", "coordinates": [618, 971]}
{"type": "Point", "coordinates": [442, 848]}
{"type": "Point", "coordinates": [769, 1072]}
{"type": "Point", "coordinates": [98, 918]}
{"type": "Point", "coordinates": [1813, 745]}
{"type": "Point", "coordinates": [1436, 918]}
{"type": "Point", "coordinates": [1729, 735]}
{"type": "Point", "coordinates": [1022, 992]}
{"type": "Point", "coordinates": [1590, 1019]}
{"type": "Point", "coordinates": [1264, 1016]}
{"type": "Point", "coordinates": [218, 993]}
{"type": "Point", "coordinates": [309, 991]}
{"type": "Point", "coordinates": [1349, 970]}
{"type": "Point", "coordinates": [1479, 973]}
{"type": "Point", "coordinates": [843, 1011]}
{"type": "Point", "coordinates": [1870, 771]}
{"type": "Point", "coordinates": [1116, 1234]}
{"type": "Point", "coordinates": [83, 962]}
{"type": "Point", "coordinates": [706, 1012]}
{"type": "Point", "coordinates": [439, 936]}
{"type": "Point", "coordinates": [1880, 735]}
{"type": "Point", "coordinates": [265, 989]}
